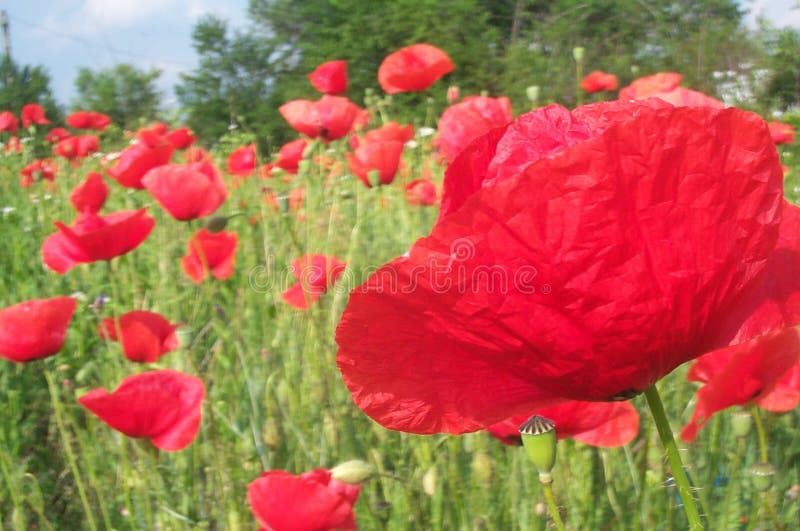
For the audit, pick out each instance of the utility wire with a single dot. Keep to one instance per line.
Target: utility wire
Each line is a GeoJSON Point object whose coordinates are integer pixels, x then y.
{"type": "Point", "coordinates": [95, 46]}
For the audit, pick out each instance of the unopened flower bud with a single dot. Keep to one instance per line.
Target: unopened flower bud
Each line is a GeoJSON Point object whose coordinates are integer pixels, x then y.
{"type": "Point", "coordinates": [271, 433]}
{"type": "Point", "coordinates": [742, 422]}
{"type": "Point", "coordinates": [762, 475]}
{"type": "Point", "coordinates": [353, 471]}
{"type": "Point", "coordinates": [482, 467]}
{"type": "Point", "coordinates": [577, 53]}
{"type": "Point", "coordinates": [539, 440]}
{"type": "Point", "coordinates": [453, 93]}
{"type": "Point", "coordinates": [533, 93]}
{"type": "Point", "coordinates": [216, 223]}
{"type": "Point", "coordinates": [429, 481]}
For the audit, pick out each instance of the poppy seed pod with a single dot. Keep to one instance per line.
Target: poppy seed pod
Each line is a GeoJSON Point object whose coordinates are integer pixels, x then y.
{"type": "Point", "coordinates": [577, 53]}
{"type": "Point", "coordinates": [539, 440]}
{"type": "Point", "coordinates": [742, 422]}
{"type": "Point", "coordinates": [762, 475]}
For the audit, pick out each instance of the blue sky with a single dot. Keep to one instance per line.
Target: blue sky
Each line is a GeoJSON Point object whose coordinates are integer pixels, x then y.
{"type": "Point", "coordinates": [64, 35]}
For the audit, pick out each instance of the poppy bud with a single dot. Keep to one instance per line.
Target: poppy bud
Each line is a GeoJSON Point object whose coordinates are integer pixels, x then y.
{"type": "Point", "coordinates": [453, 93]}
{"type": "Point", "coordinates": [577, 53]}
{"type": "Point", "coordinates": [429, 481]}
{"type": "Point", "coordinates": [762, 475]}
{"type": "Point", "coordinates": [742, 422]}
{"type": "Point", "coordinates": [271, 433]}
{"type": "Point", "coordinates": [539, 440]}
{"type": "Point", "coordinates": [353, 471]}
{"type": "Point", "coordinates": [216, 224]}
{"type": "Point", "coordinates": [482, 467]}
{"type": "Point", "coordinates": [533, 93]}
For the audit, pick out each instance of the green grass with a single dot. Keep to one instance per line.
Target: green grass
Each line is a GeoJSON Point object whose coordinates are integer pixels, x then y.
{"type": "Point", "coordinates": [275, 398]}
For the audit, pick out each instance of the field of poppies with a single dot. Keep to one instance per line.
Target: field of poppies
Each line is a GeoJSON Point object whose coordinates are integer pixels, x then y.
{"type": "Point", "coordinates": [354, 331]}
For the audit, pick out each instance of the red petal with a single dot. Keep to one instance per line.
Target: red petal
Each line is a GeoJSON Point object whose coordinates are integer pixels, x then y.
{"type": "Point", "coordinates": [330, 77]}
{"type": "Point", "coordinates": [413, 68]}
{"type": "Point", "coordinates": [745, 372]}
{"type": "Point", "coordinates": [283, 502]}
{"type": "Point", "coordinates": [35, 328]}
{"type": "Point", "coordinates": [639, 241]}
{"type": "Point", "coordinates": [163, 406]}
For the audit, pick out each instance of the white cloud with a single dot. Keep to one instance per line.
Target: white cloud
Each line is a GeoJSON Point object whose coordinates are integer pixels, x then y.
{"type": "Point", "coordinates": [123, 13]}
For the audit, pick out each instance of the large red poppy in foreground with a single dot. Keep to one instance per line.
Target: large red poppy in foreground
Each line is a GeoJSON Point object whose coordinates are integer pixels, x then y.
{"type": "Point", "coordinates": [577, 256]}
{"type": "Point", "coordinates": [163, 406]}
{"type": "Point", "coordinates": [92, 238]}
{"type": "Point", "coordinates": [35, 329]}
{"type": "Point", "coordinates": [313, 501]}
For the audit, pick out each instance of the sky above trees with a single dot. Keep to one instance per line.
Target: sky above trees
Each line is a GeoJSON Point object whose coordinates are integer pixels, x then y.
{"type": "Point", "coordinates": [64, 35]}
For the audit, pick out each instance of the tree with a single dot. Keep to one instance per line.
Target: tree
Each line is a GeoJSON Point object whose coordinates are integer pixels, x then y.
{"type": "Point", "coordinates": [125, 93]}
{"type": "Point", "coordinates": [25, 84]}
{"type": "Point", "coordinates": [231, 86]}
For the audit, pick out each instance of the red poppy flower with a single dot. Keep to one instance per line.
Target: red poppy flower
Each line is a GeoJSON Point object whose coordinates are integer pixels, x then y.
{"type": "Point", "coordinates": [88, 120]}
{"type": "Point", "coordinates": [785, 394]}
{"type": "Point", "coordinates": [138, 159]}
{"type": "Point", "coordinates": [290, 155]}
{"type": "Point", "coordinates": [316, 273]}
{"type": "Point", "coordinates": [584, 256]}
{"type": "Point", "coordinates": [604, 424]}
{"type": "Point", "coordinates": [330, 78]}
{"type": "Point", "coordinates": [599, 81]}
{"type": "Point", "coordinates": [43, 169]}
{"type": "Point", "coordinates": [91, 194]}
{"type": "Point", "coordinates": [453, 94]}
{"type": "Point", "coordinates": [56, 134]}
{"type": "Point", "coordinates": [146, 336]}
{"type": "Point", "coordinates": [645, 87]}
{"type": "Point", "coordinates": [388, 132]}
{"type": "Point", "coordinates": [781, 133]}
{"type": "Point", "coordinates": [683, 97]}
{"type": "Point", "coordinates": [413, 68]}
{"type": "Point", "coordinates": [92, 238]}
{"type": "Point", "coordinates": [469, 119]}
{"type": "Point", "coordinates": [35, 328]}
{"type": "Point", "coordinates": [196, 155]}
{"type": "Point", "coordinates": [381, 157]}
{"type": "Point", "coordinates": [8, 122]}
{"type": "Point", "coordinates": [163, 406]}
{"type": "Point", "coordinates": [186, 191]}
{"type": "Point", "coordinates": [180, 138]}
{"type": "Point", "coordinates": [421, 192]}
{"type": "Point", "coordinates": [329, 118]}
{"type": "Point", "coordinates": [740, 374]}
{"type": "Point", "coordinates": [242, 161]}
{"type": "Point", "coordinates": [33, 113]}
{"type": "Point", "coordinates": [77, 147]}
{"type": "Point", "coordinates": [14, 145]}
{"type": "Point", "coordinates": [213, 252]}
{"type": "Point", "coordinates": [313, 501]}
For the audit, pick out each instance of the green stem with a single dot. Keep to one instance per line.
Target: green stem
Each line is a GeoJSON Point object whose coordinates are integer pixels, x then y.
{"type": "Point", "coordinates": [762, 434]}
{"type": "Point", "coordinates": [551, 504]}
{"type": "Point", "coordinates": [737, 462]}
{"type": "Point", "coordinates": [665, 433]}
{"type": "Point", "coordinates": [73, 465]}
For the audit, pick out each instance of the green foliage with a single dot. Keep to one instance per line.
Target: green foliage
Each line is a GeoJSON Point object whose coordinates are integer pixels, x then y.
{"type": "Point", "coordinates": [231, 85]}
{"type": "Point", "coordinates": [782, 88]}
{"type": "Point", "coordinates": [24, 84]}
{"type": "Point", "coordinates": [125, 93]}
